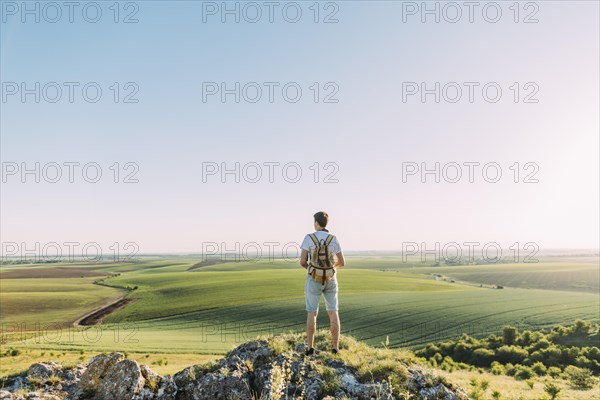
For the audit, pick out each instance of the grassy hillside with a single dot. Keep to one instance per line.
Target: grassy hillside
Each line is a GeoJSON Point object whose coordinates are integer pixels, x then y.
{"type": "Point", "coordinates": [580, 276]}
{"type": "Point", "coordinates": [211, 308]}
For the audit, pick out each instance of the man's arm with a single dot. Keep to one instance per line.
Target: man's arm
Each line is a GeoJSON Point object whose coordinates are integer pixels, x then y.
{"type": "Point", "coordinates": [340, 261]}
{"type": "Point", "coordinates": [304, 259]}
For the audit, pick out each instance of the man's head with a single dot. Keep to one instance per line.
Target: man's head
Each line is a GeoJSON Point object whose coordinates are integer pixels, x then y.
{"type": "Point", "coordinates": [321, 219]}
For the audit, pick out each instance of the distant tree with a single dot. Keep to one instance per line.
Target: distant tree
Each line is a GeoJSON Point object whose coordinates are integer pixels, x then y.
{"type": "Point", "coordinates": [509, 334]}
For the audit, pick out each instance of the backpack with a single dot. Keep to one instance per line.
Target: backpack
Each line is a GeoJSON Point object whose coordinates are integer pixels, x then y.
{"type": "Point", "coordinates": [321, 260]}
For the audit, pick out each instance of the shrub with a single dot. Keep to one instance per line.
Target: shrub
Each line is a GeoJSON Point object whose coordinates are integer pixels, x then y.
{"type": "Point", "coordinates": [482, 357]}
{"type": "Point", "coordinates": [582, 326]}
{"type": "Point", "coordinates": [429, 351]}
{"type": "Point", "coordinates": [462, 351]}
{"type": "Point", "coordinates": [510, 369]}
{"type": "Point", "coordinates": [524, 339]}
{"type": "Point", "coordinates": [331, 380]}
{"type": "Point", "coordinates": [593, 353]}
{"type": "Point", "coordinates": [539, 368]}
{"type": "Point", "coordinates": [497, 368]}
{"type": "Point", "coordinates": [530, 383]}
{"type": "Point", "coordinates": [552, 390]}
{"type": "Point", "coordinates": [541, 344]}
{"type": "Point", "coordinates": [448, 364]}
{"type": "Point", "coordinates": [551, 356]}
{"type": "Point", "coordinates": [54, 380]}
{"type": "Point", "coordinates": [579, 378]}
{"type": "Point", "coordinates": [583, 362]}
{"type": "Point", "coordinates": [13, 352]}
{"type": "Point", "coordinates": [485, 384]}
{"type": "Point", "coordinates": [511, 354]}
{"type": "Point", "coordinates": [523, 372]}
{"type": "Point", "coordinates": [554, 372]}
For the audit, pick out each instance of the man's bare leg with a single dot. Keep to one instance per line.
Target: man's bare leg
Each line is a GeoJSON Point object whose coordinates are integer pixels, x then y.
{"type": "Point", "coordinates": [311, 327]}
{"type": "Point", "coordinates": [334, 329]}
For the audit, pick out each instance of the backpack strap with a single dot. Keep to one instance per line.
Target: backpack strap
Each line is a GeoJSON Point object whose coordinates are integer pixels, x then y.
{"type": "Point", "coordinates": [315, 241]}
{"type": "Point", "coordinates": [329, 239]}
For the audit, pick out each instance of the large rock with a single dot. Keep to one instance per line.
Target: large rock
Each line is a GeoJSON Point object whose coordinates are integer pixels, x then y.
{"type": "Point", "coordinates": [97, 369]}
{"type": "Point", "coordinates": [157, 387]}
{"type": "Point", "coordinates": [122, 381]}
{"type": "Point", "coordinates": [232, 378]}
{"type": "Point", "coordinates": [230, 381]}
{"type": "Point", "coordinates": [111, 376]}
{"type": "Point", "coordinates": [250, 371]}
{"type": "Point", "coordinates": [43, 370]}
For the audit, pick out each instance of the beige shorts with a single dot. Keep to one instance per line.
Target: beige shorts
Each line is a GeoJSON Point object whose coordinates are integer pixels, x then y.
{"type": "Point", "coordinates": [313, 290]}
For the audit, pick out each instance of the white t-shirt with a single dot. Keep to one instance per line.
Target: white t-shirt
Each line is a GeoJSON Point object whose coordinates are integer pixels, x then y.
{"type": "Point", "coordinates": [307, 243]}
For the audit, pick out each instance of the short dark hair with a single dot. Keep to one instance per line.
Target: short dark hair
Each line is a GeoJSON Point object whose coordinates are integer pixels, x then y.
{"type": "Point", "coordinates": [322, 218]}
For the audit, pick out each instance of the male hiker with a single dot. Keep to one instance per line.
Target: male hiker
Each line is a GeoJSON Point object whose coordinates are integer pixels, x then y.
{"type": "Point", "coordinates": [317, 254]}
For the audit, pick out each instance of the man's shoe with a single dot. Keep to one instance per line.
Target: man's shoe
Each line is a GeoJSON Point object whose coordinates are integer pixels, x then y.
{"type": "Point", "coordinates": [335, 351]}
{"type": "Point", "coordinates": [310, 351]}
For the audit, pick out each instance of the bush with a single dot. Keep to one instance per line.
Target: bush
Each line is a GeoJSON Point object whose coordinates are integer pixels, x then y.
{"type": "Point", "coordinates": [331, 380]}
{"type": "Point", "coordinates": [530, 383]}
{"type": "Point", "coordinates": [497, 368]}
{"type": "Point", "coordinates": [462, 351]}
{"type": "Point", "coordinates": [583, 362]}
{"type": "Point", "coordinates": [554, 372]}
{"type": "Point", "coordinates": [510, 369]}
{"type": "Point", "coordinates": [484, 384]}
{"type": "Point", "coordinates": [13, 352]}
{"type": "Point", "coordinates": [539, 368]}
{"type": "Point", "coordinates": [511, 354]}
{"type": "Point", "coordinates": [579, 378]}
{"type": "Point", "coordinates": [429, 351]}
{"type": "Point", "coordinates": [552, 356]}
{"type": "Point", "coordinates": [552, 390]}
{"type": "Point", "coordinates": [523, 372]}
{"type": "Point", "coordinates": [448, 364]}
{"type": "Point", "coordinates": [593, 353]}
{"type": "Point", "coordinates": [541, 344]}
{"type": "Point", "coordinates": [582, 326]}
{"type": "Point", "coordinates": [482, 357]}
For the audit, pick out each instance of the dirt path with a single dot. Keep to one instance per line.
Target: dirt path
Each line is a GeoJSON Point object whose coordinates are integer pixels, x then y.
{"type": "Point", "coordinates": [95, 317]}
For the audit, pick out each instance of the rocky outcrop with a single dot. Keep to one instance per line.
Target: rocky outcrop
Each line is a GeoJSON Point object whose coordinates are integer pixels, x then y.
{"type": "Point", "coordinates": [251, 371]}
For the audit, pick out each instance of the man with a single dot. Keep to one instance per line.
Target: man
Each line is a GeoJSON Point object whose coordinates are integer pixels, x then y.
{"type": "Point", "coordinates": [314, 288]}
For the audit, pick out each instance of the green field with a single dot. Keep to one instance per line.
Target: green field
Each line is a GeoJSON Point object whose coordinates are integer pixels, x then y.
{"type": "Point", "coordinates": [210, 309]}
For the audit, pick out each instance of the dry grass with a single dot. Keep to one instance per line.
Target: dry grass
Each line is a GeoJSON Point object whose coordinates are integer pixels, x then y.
{"type": "Point", "coordinates": [513, 389]}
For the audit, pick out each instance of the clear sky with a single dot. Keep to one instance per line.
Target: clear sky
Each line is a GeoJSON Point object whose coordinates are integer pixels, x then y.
{"type": "Point", "coordinates": [364, 61]}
